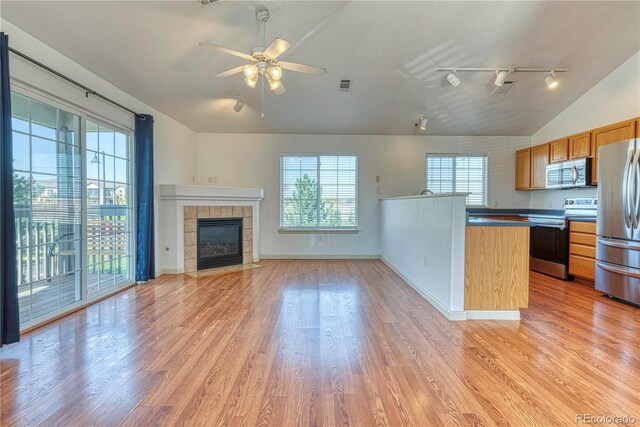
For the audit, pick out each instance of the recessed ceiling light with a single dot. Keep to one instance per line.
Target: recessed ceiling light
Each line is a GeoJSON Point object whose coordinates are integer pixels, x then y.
{"type": "Point", "coordinates": [453, 79]}
{"type": "Point", "coordinates": [501, 76]}
{"type": "Point", "coordinates": [551, 81]}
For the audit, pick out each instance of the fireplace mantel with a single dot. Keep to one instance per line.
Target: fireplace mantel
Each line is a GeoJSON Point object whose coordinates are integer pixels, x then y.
{"type": "Point", "coordinates": [174, 198]}
{"type": "Point", "coordinates": [204, 192]}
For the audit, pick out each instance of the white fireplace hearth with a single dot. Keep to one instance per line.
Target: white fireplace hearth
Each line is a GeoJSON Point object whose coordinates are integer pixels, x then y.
{"type": "Point", "coordinates": [181, 203]}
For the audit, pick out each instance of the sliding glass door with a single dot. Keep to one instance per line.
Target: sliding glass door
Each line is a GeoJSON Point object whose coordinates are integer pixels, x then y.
{"type": "Point", "coordinates": [109, 208]}
{"type": "Point", "coordinates": [72, 202]}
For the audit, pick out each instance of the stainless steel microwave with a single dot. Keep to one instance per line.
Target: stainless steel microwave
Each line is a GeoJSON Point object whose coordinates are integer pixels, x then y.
{"type": "Point", "coordinates": [570, 174]}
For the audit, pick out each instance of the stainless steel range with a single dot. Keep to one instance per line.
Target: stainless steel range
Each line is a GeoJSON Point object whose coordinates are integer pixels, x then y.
{"type": "Point", "coordinates": [549, 243]}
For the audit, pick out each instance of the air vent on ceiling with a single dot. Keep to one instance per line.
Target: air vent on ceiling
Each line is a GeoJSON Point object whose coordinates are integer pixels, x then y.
{"type": "Point", "coordinates": [204, 3]}
{"type": "Point", "coordinates": [345, 85]}
{"type": "Point", "coordinates": [506, 86]}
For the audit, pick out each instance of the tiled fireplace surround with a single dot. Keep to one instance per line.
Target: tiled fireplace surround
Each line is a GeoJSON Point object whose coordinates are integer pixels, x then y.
{"type": "Point", "coordinates": [182, 205]}
{"type": "Point", "coordinates": [193, 213]}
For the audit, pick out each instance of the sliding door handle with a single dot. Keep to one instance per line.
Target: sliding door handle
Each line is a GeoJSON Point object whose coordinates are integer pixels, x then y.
{"type": "Point", "coordinates": [625, 271]}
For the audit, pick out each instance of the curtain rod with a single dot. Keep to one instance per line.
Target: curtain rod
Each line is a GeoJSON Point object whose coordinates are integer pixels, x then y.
{"type": "Point", "coordinates": [87, 90]}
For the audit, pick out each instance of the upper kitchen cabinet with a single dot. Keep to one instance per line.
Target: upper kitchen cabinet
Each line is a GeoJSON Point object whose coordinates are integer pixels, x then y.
{"type": "Point", "coordinates": [523, 169]}
{"type": "Point", "coordinates": [559, 150]}
{"type": "Point", "coordinates": [609, 135]}
{"type": "Point", "coordinates": [580, 145]}
{"type": "Point", "coordinates": [539, 162]}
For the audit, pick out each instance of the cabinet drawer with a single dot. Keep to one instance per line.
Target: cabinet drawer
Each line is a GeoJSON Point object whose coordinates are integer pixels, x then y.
{"type": "Point", "coordinates": [582, 238]}
{"type": "Point", "coordinates": [582, 267]}
{"type": "Point", "coordinates": [583, 227]}
{"type": "Point", "coordinates": [582, 250]}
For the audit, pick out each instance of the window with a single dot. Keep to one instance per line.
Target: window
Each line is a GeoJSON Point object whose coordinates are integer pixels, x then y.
{"type": "Point", "coordinates": [460, 173]}
{"type": "Point", "coordinates": [318, 191]}
{"type": "Point", "coordinates": [66, 254]}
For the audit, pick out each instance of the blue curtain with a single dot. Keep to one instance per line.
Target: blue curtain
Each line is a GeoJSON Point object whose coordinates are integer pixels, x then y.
{"type": "Point", "coordinates": [9, 317]}
{"type": "Point", "coordinates": [145, 245]}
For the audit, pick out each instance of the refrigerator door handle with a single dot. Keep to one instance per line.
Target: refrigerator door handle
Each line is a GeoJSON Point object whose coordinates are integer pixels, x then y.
{"type": "Point", "coordinates": [626, 202]}
{"type": "Point", "coordinates": [625, 271]}
{"type": "Point", "coordinates": [636, 188]}
{"type": "Point", "coordinates": [632, 246]}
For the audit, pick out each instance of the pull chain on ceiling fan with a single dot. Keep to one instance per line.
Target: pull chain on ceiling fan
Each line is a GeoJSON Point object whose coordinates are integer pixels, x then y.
{"type": "Point", "coordinates": [264, 64]}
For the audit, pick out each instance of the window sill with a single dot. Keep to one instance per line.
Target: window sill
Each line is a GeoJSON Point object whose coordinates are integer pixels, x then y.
{"type": "Point", "coordinates": [345, 230]}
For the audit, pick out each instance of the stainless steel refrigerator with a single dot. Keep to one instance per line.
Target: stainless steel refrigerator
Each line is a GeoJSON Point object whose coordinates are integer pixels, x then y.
{"type": "Point", "coordinates": [618, 227]}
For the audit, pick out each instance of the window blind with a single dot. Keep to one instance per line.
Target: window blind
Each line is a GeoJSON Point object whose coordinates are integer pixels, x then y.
{"type": "Point", "coordinates": [318, 191]}
{"type": "Point", "coordinates": [463, 173]}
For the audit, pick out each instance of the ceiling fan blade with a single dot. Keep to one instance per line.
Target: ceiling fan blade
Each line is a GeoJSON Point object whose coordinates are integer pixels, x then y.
{"type": "Point", "coordinates": [277, 47]}
{"type": "Point", "coordinates": [281, 90]}
{"type": "Point", "coordinates": [301, 68]}
{"type": "Point", "coordinates": [226, 50]}
{"type": "Point", "coordinates": [230, 72]}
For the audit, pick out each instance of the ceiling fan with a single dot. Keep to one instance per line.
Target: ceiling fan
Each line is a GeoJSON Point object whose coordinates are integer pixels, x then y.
{"type": "Point", "coordinates": [264, 61]}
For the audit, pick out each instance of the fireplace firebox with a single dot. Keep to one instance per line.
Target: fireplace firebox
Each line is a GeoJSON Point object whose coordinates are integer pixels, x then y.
{"type": "Point", "coordinates": [219, 242]}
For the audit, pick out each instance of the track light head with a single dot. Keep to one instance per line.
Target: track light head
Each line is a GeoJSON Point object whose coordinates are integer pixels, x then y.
{"type": "Point", "coordinates": [422, 122]}
{"type": "Point", "coordinates": [453, 79]}
{"type": "Point", "coordinates": [501, 76]}
{"type": "Point", "coordinates": [238, 106]}
{"type": "Point", "coordinates": [551, 81]}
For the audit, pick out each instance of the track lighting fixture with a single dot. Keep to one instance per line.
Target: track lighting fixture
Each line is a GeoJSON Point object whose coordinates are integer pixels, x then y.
{"type": "Point", "coordinates": [453, 79]}
{"type": "Point", "coordinates": [501, 76]}
{"type": "Point", "coordinates": [239, 105]}
{"type": "Point", "coordinates": [503, 73]}
{"type": "Point", "coordinates": [422, 122]}
{"type": "Point", "coordinates": [551, 81]}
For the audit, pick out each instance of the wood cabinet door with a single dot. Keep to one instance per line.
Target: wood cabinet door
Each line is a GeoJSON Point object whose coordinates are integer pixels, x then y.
{"type": "Point", "coordinates": [539, 162]}
{"type": "Point", "coordinates": [559, 150]}
{"type": "Point", "coordinates": [609, 135]}
{"type": "Point", "coordinates": [638, 127]}
{"type": "Point", "coordinates": [523, 169]}
{"type": "Point", "coordinates": [580, 145]}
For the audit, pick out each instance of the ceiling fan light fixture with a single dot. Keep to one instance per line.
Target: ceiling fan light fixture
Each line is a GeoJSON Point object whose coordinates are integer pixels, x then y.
{"type": "Point", "coordinates": [274, 84]}
{"type": "Point", "coordinates": [250, 71]}
{"type": "Point", "coordinates": [275, 72]}
{"type": "Point", "coordinates": [251, 82]}
{"type": "Point", "coordinates": [501, 76]}
{"type": "Point", "coordinates": [551, 81]}
{"type": "Point", "coordinates": [453, 79]}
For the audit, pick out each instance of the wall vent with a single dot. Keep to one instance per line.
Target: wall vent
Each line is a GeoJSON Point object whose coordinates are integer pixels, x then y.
{"type": "Point", "coordinates": [508, 84]}
{"type": "Point", "coordinates": [345, 85]}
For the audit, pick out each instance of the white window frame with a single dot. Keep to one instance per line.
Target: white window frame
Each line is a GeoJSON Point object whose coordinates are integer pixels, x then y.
{"type": "Point", "coordinates": [318, 228]}
{"type": "Point", "coordinates": [461, 155]}
{"type": "Point", "coordinates": [84, 114]}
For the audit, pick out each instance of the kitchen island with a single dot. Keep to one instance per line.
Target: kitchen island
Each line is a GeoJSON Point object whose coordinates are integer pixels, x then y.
{"type": "Point", "coordinates": [468, 268]}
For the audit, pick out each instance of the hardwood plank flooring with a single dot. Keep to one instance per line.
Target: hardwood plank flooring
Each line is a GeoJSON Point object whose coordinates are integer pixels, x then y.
{"type": "Point", "coordinates": [322, 343]}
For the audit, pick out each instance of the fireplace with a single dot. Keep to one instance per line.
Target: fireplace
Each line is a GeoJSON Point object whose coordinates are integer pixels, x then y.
{"type": "Point", "coordinates": [219, 242]}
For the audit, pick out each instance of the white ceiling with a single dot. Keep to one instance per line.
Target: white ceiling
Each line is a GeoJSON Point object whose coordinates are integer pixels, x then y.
{"type": "Point", "coordinates": [390, 49]}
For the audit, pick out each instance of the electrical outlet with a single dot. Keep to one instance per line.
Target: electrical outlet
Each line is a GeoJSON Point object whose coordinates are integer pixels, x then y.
{"type": "Point", "coordinates": [495, 203]}
{"type": "Point", "coordinates": [377, 189]}
{"type": "Point", "coordinates": [209, 179]}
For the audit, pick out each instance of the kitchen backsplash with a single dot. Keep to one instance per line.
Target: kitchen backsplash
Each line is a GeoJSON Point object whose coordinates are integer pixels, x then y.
{"type": "Point", "coordinates": [553, 199]}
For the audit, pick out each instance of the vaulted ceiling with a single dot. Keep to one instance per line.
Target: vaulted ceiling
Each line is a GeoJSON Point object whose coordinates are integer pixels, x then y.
{"type": "Point", "coordinates": [389, 49]}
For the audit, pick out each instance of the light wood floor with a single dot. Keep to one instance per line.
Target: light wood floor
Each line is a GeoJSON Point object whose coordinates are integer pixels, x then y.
{"type": "Point", "coordinates": [322, 343]}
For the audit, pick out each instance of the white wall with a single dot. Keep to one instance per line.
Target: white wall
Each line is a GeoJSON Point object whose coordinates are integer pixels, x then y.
{"type": "Point", "coordinates": [253, 160]}
{"type": "Point", "coordinates": [615, 98]}
{"type": "Point", "coordinates": [174, 143]}
{"type": "Point", "coordinates": [423, 239]}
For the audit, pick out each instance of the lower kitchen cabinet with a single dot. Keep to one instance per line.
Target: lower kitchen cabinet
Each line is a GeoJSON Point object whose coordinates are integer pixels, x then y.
{"type": "Point", "coordinates": [582, 249]}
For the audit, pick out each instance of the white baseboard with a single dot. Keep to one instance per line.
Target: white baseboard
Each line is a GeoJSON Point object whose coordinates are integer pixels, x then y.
{"type": "Point", "coordinates": [171, 271]}
{"type": "Point", "coordinates": [456, 315]}
{"type": "Point", "coordinates": [449, 314]}
{"type": "Point", "coordinates": [330, 256]}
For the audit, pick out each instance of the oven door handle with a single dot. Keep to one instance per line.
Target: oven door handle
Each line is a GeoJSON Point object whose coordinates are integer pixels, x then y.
{"type": "Point", "coordinates": [625, 271]}
{"type": "Point", "coordinates": [619, 244]}
{"type": "Point", "coordinates": [559, 226]}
